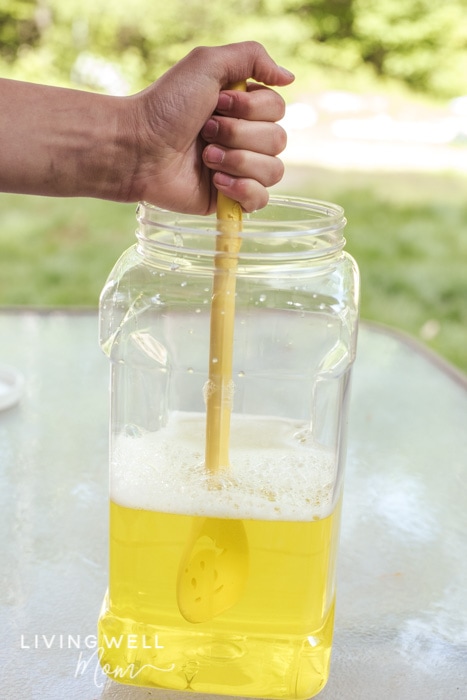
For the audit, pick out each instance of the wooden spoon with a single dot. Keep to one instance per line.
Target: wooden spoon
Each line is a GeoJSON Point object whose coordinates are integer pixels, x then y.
{"type": "Point", "coordinates": [214, 567]}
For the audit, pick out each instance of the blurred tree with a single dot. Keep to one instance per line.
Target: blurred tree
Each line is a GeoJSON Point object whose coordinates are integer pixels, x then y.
{"type": "Point", "coordinates": [18, 27]}
{"type": "Point", "coordinates": [114, 46]}
{"type": "Point", "coordinates": [421, 43]}
{"type": "Point", "coordinates": [417, 41]}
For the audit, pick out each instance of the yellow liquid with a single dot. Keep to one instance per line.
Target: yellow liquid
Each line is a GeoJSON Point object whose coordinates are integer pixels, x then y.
{"type": "Point", "coordinates": [275, 641]}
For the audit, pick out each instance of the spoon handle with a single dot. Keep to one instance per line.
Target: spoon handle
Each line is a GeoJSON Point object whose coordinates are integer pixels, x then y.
{"type": "Point", "coordinates": [219, 387]}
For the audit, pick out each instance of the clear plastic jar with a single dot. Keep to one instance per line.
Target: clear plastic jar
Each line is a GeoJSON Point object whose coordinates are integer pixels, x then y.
{"type": "Point", "coordinates": [224, 581]}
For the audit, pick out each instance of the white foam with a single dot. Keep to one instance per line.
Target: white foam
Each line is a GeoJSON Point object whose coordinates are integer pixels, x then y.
{"type": "Point", "coordinates": [274, 475]}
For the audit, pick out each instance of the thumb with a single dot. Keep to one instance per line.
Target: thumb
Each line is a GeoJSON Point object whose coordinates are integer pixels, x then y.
{"type": "Point", "coordinates": [247, 59]}
{"type": "Point", "coordinates": [263, 68]}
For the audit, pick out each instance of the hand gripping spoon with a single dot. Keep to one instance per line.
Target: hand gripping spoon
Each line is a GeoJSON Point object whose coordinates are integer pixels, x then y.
{"type": "Point", "coordinates": [214, 566]}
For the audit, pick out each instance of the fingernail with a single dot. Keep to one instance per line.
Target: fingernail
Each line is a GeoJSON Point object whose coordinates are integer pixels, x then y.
{"type": "Point", "coordinates": [224, 103]}
{"type": "Point", "coordinates": [215, 154]}
{"type": "Point", "coordinates": [210, 129]}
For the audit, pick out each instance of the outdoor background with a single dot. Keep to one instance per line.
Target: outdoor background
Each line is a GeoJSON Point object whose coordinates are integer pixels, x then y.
{"type": "Point", "coordinates": [377, 121]}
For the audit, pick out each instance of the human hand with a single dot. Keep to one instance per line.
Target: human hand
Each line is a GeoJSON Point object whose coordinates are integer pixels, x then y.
{"type": "Point", "coordinates": [191, 137]}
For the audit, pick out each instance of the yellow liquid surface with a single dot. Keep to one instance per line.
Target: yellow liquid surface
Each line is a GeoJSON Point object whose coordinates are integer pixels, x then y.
{"type": "Point", "coordinates": [275, 641]}
{"type": "Point", "coordinates": [237, 599]}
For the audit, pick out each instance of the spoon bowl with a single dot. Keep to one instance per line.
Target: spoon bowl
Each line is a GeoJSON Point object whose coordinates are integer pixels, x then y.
{"type": "Point", "coordinates": [213, 569]}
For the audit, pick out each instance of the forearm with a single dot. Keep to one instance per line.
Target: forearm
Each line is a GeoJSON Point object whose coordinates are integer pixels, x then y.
{"type": "Point", "coordinates": [173, 144]}
{"type": "Point", "coordinates": [60, 142]}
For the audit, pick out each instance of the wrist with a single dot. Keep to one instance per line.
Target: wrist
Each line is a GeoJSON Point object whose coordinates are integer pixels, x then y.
{"type": "Point", "coordinates": [101, 149]}
{"type": "Point", "coordinates": [125, 149]}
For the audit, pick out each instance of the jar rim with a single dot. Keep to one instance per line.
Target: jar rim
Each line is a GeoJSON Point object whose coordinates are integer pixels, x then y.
{"type": "Point", "coordinates": [322, 216]}
{"type": "Point", "coordinates": [317, 224]}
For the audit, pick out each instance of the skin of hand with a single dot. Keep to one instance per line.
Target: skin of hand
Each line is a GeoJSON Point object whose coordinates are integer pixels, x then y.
{"type": "Point", "coordinates": [200, 137]}
{"type": "Point", "coordinates": [173, 144]}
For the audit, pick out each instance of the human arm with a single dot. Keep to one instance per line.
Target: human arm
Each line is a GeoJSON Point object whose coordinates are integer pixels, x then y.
{"type": "Point", "coordinates": [171, 144]}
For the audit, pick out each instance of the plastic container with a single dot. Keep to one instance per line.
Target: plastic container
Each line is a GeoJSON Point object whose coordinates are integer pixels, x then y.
{"type": "Point", "coordinates": [224, 582]}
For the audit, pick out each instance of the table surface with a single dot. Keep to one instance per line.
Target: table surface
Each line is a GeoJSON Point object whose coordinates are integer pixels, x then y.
{"type": "Point", "coordinates": [401, 622]}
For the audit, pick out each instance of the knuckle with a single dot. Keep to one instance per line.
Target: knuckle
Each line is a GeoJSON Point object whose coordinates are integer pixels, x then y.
{"type": "Point", "coordinates": [277, 171]}
{"type": "Point", "coordinates": [279, 139]}
{"type": "Point", "coordinates": [281, 106]}
{"type": "Point", "coordinates": [200, 53]}
{"type": "Point", "coordinates": [258, 202]}
{"type": "Point", "coordinates": [251, 195]}
{"type": "Point", "coordinates": [254, 47]}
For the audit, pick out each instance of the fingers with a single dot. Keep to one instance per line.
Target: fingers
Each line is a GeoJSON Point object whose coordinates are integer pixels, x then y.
{"type": "Point", "coordinates": [242, 136]}
{"type": "Point", "coordinates": [267, 170]}
{"type": "Point", "coordinates": [261, 137]}
{"type": "Point", "coordinates": [243, 175]}
{"type": "Point", "coordinates": [257, 104]}
{"type": "Point", "coordinates": [243, 142]}
{"type": "Point", "coordinates": [249, 193]}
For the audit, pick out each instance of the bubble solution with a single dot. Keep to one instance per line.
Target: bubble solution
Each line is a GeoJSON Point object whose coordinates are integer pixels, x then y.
{"type": "Point", "coordinates": [275, 641]}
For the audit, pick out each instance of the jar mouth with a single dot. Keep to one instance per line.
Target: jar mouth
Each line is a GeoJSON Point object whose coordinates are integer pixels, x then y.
{"type": "Point", "coordinates": [286, 226]}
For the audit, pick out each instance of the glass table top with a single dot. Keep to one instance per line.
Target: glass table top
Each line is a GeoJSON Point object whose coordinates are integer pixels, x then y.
{"type": "Point", "coordinates": [401, 620]}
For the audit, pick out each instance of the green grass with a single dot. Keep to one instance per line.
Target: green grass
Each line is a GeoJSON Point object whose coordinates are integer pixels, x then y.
{"type": "Point", "coordinates": [408, 234]}
{"type": "Point", "coordinates": [59, 252]}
